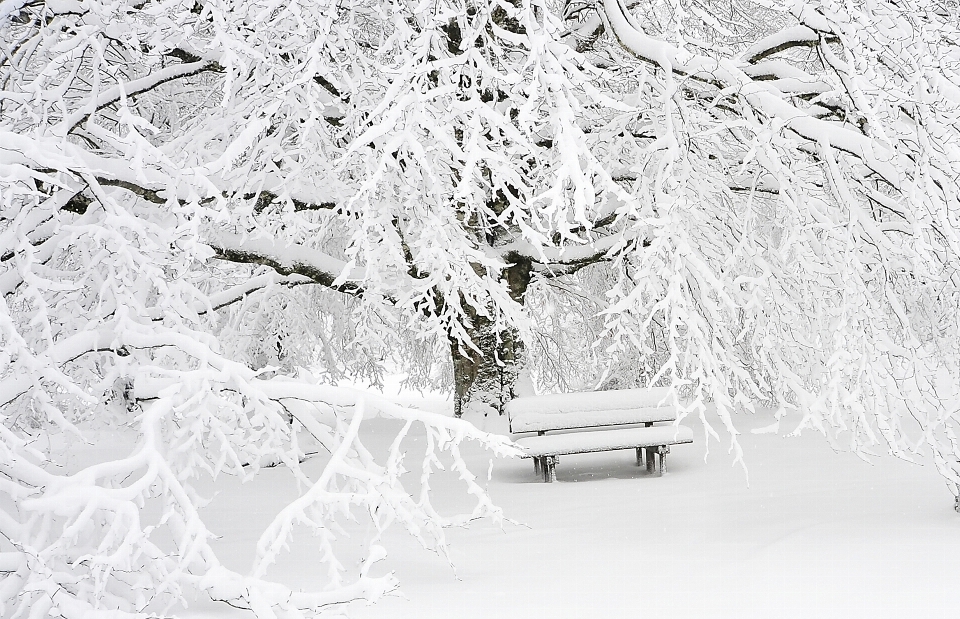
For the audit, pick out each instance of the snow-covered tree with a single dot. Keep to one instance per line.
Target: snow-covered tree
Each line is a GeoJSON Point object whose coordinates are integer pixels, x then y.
{"type": "Point", "coordinates": [748, 200]}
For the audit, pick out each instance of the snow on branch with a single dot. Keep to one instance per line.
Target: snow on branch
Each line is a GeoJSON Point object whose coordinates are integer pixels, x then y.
{"type": "Point", "coordinates": [747, 146]}
{"type": "Point", "coordinates": [97, 303]}
{"type": "Point", "coordinates": [788, 38]}
{"type": "Point", "coordinates": [288, 260]}
{"type": "Point", "coordinates": [135, 87]}
{"type": "Point", "coordinates": [886, 163]}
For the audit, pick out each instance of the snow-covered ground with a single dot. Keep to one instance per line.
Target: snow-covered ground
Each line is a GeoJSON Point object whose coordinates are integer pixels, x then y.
{"type": "Point", "coordinates": [816, 534]}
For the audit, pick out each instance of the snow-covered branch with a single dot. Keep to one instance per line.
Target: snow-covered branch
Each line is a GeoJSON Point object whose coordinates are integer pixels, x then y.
{"type": "Point", "coordinates": [136, 87]}
{"type": "Point", "coordinates": [763, 97]}
{"type": "Point", "coordinates": [290, 259]}
{"type": "Point", "coordinates": [782, 40]}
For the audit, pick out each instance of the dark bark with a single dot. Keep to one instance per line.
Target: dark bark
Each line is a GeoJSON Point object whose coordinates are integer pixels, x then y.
{"type": "Point", "coordinates": [486, 374]}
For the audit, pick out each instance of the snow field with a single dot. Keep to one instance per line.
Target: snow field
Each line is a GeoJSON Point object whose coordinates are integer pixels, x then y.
{"type": "Point", "coordinates": [816, 534]}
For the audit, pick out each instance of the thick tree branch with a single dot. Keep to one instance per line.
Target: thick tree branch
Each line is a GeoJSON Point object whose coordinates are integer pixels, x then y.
{"type": "Point", "coordinates": [788, 38]}
{"type": "Point", "coordinates": [265, 198]}
{"type": "Point", "coordinates": [292, 259]}
{"type": "Point", "coordinates": [564, 260]}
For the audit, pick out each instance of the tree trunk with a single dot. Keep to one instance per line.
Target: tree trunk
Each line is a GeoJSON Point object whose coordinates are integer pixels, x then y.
{"type": "Point", "coordinates": [486, 376]}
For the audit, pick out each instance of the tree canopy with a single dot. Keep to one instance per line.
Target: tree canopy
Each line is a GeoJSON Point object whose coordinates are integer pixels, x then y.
{"type": "Point", "coordinates": [200, 201]}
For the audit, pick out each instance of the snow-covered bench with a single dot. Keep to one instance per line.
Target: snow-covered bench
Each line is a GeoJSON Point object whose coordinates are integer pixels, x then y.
{"type": "Point", "coordinates": [579, 413]}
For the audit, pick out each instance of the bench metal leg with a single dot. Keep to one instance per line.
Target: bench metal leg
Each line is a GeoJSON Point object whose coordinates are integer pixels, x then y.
{"type": "Point", "coordinates": [639, 456]}
{"type": "Point", "coordinates": [550, 468]}
{"type": "Point", "coordinates": [537, 468]}
{"type": "Point", "coordinates": [650, 451]}
{"type": "Point", "coordinates": [663, 450]}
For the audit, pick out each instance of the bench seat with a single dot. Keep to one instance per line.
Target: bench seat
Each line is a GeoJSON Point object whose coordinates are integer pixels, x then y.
{"type": "Point", "coordinates": [604, 440]}
{"type": "Point", "coordinates": [654, 441]}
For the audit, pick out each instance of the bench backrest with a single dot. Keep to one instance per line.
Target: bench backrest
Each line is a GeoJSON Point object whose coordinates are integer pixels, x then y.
{"type": "Point", "coordinates": [589, 409]}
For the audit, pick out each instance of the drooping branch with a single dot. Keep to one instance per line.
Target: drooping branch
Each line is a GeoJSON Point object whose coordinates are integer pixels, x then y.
{"type": "Point", "coordinates": [237, 293]}
{"type": "Point", "coordinates": [138, 86]}
{"type": "Point", "coordinates": [763, 98]}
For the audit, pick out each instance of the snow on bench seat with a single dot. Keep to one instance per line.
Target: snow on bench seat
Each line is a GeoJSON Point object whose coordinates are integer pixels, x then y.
{"type": "Point", "coordinates": [543, 422]}
{"type": "Point", "coordinates": [604, 440]}
{"type": "Point", "coordinates": [654, 441]}
{"type": "Point", "coordinates": [589, 409]}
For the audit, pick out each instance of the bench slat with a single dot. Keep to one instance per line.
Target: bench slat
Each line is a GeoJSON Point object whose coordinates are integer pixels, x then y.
{"type": "Point", "coordinates": [581, 401]}
{"type": "Point", "coordinates": [604, 440]}
{"type": "Point", "coordinates": [541, 422]}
